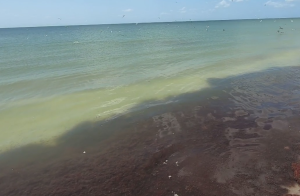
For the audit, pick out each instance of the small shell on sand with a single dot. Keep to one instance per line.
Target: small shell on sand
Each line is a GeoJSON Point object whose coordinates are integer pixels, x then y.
{"type": "Point", "coordinates": [286, 148]}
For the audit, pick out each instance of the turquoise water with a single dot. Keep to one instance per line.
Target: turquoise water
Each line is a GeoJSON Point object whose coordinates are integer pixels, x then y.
{"type": "Point", "coordinates": [52, 78]}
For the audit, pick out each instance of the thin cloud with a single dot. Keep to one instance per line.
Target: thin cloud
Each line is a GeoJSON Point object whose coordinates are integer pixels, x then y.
{"type": "Point", "coordinates": [278, 4]}
{"type": "Point", "coordinates": [223, 3]}
{"type": "Point", "coordinates": [182, 10]}
{"type": "Point", "coordinates": [128, 10]}
{"type": "Point", "coordinates": [290, 0]}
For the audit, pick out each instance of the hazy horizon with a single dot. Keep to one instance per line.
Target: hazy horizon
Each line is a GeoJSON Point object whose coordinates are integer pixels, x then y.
{"type": "Point", "coordinates": [33, 13]}
{"type": "Point", "coordinates": [148, 22]}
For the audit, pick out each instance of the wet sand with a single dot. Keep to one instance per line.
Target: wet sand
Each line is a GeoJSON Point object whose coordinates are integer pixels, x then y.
{"type": "Point", "coordinates": [241, 137]}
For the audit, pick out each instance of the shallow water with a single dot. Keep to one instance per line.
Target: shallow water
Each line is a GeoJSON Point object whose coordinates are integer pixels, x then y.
{"type": "Point", "coordinates": [53, 78]}
{"type": "Point", "coordinates": [163, 110]}
{"type": "Point", "coordinates": [238, 137]}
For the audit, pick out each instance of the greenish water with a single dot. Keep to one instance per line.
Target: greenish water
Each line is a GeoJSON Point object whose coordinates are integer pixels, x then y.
{"type": "Point", "coordinates": [53, 78]}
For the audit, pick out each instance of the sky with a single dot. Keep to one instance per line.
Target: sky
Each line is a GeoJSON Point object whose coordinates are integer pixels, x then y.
{"type": "Point", "coordinates": [30, 13]}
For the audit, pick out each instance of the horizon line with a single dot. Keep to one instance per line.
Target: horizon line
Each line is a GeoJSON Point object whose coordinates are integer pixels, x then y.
{"type": "Point", "coordinates": [146, 22]}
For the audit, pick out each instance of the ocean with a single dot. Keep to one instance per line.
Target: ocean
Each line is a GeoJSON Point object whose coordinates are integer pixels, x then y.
{"type": "Point", "coordinates": [54, 78]}
{"type": "Point", "coordinates": [182, 108]}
